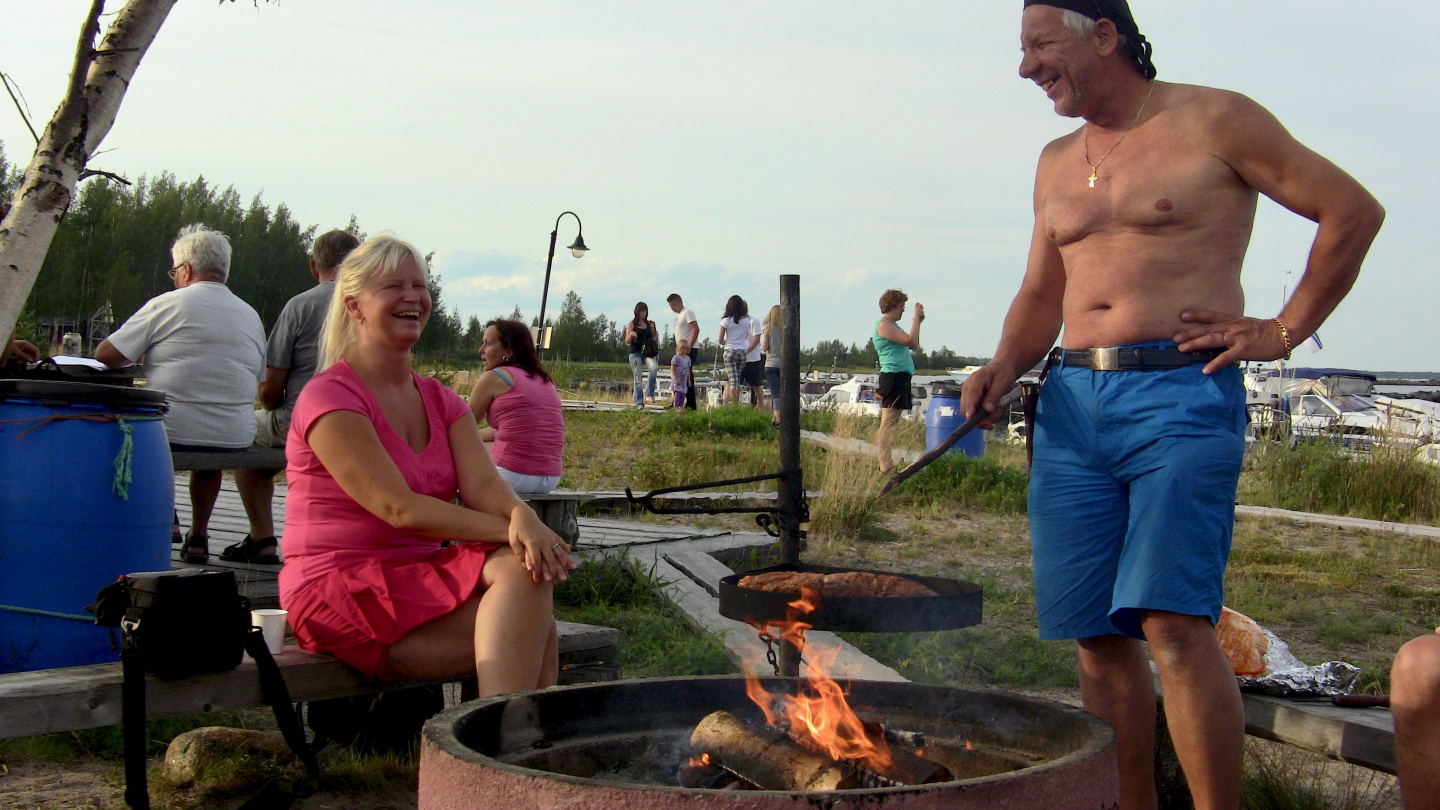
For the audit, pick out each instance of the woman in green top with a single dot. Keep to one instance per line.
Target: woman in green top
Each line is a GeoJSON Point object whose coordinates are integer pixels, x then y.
{"type": "Point", "coordinates": [896, 367]}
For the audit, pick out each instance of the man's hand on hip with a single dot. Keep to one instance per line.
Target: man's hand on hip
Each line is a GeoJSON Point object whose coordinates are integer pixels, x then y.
{"type": "Point", "coordinates": [1239, 337]}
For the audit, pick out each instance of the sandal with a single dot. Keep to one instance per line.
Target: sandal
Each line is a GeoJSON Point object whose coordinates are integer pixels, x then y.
{"type": "Point", "coordinates": [176, 537]}
{"type": "Point", "coordinates": [260, 552]}
{"type": "Point", "coordinates": [196, 550]}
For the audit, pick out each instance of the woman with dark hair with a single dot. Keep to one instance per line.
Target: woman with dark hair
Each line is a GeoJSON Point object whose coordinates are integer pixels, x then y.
{"type": "Point", "coordinates": [739, 338]}
{"type": "Point", "coordinates": [518, 401]}
{"type": "Point", "coordinates": [644, 342]}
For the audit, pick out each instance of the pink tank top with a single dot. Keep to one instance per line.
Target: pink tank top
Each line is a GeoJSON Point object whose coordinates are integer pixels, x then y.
{"type": "Point", "coordinates": [529, 427]}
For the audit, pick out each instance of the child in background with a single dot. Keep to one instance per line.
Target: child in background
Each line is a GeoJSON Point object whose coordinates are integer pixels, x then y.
{"type": "Point", "coordinates": [680, 373]}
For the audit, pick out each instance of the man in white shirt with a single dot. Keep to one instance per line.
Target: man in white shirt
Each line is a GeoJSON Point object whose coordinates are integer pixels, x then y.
{"type": "Point", "coordinates": [205, 348]}
{"type": "Point", "coordinates": [687, 329]}
{"type": "Point", "coordinates": [755, 364]}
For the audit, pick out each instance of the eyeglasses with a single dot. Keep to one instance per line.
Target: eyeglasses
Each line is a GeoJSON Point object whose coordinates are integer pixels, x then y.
{"type": "Point", "coordinates": [175, 271]}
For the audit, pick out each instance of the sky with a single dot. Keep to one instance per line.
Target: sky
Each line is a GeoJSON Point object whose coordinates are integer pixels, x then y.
{"type": "Point", "coordinates": [709, 148]}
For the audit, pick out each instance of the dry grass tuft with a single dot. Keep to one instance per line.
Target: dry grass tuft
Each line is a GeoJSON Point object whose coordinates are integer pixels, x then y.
{"type": "Point", "coordinates": [848, 507]}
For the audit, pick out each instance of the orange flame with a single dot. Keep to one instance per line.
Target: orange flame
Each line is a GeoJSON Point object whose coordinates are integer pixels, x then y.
{"type": "Point", "coordinates": [819, 714]}
{"type": "Point", "coordinates": [702, 761]}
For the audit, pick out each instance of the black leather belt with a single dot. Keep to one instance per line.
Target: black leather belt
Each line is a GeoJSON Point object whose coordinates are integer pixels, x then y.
{"type": "Point", "coordinates": [1119, 359]}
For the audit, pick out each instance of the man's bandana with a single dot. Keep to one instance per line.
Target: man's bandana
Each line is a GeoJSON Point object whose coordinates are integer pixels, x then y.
{"type": "Point", "coordinates": [1118, 12]}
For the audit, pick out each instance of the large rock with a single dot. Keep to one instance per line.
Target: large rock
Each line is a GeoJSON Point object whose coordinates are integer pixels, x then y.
{"type": "Point", "coordinates": [235, 751]}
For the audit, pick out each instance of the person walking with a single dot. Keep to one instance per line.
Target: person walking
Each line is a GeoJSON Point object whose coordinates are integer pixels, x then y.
{"type": "Point", "coordinates": [897, 366]}
{"type": "Point", "coordinates": [738, 339]}
{"type": "Point", "coordinates": [770, 343]}
{"type": "Point", "coordinates": [644, 342]}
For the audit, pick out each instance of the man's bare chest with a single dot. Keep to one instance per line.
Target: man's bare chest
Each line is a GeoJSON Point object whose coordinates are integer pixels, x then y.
{"type": "Point", "coordinates": [1146, 188]}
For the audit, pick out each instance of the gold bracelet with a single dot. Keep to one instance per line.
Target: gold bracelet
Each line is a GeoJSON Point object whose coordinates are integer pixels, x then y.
{"type": "Point", "coordinates": [1284, 335]}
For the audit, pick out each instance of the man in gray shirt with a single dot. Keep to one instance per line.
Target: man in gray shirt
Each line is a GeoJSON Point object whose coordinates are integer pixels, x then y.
{"type": "Point", "coordinates": [291, 359]}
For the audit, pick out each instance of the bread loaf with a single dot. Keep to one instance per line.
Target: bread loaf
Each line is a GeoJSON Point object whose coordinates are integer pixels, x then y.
{"type": "Point", "coordinates": [1243, 642]}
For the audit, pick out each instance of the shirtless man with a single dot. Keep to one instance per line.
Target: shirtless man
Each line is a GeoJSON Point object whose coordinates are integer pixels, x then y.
{"type": "Point", "coordinates": [1142, 217]}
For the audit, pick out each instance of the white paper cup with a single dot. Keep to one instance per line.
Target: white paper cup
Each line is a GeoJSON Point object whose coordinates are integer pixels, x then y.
{"type": "Point", "coordinates": [272, 622]}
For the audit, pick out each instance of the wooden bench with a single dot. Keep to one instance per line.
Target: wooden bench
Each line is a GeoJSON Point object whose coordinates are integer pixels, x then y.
{"type": "Point", "coordinates": [1359, 736]}
{"type": "Point", "coordinates": [558, 510]}
{"type": "Point", "coordinates": [256, 458]}
{"type": "Point", "coordinates": [1364, 737]}
{"type": "Point", "coordinates": [72, 698]}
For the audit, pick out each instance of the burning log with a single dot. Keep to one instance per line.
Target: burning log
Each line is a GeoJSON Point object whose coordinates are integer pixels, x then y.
{"type": "Point", "coordinates": [902, 767]}
{"type": "Point", "coordinates": [770, 763]}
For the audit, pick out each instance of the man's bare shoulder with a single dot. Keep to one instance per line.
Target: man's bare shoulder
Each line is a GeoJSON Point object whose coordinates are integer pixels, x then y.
{"type": "Point", "coordinates": [1212, 107]}
{"type": "Point", "coordinates": [1055, 149]}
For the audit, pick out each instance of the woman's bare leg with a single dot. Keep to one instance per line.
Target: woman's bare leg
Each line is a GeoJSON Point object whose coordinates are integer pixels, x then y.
{"type": "Point", "coordinates": [439, 649]}
{"type": "Point", "coordinates": [512, 628]}
{"type": "Point", "coordinates": [550, 666]}
{"type": "Point", "coordinates": [504, 635]}
{"type": "Point", "coordinates": [884, 438]}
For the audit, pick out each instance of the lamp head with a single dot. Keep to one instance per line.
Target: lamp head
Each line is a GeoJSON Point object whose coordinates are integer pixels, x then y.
{"type": "Point", "coordinates": [578, 248]}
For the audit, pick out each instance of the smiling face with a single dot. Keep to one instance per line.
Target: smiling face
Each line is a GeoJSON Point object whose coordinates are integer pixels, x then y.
{"type": "Point", "coordinates": [1056, 58]}
{"type": "Point", "coordinates": [493, 352]}
{"type": "Point", "coordinates": [394, 308]}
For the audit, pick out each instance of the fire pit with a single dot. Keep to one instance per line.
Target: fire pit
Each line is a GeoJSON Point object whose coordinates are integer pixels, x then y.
{"type": "Point", "coordinates": [627, 744]}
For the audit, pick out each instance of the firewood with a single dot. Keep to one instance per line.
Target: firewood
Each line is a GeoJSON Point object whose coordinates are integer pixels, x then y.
{"type": "Point", "coordinates": [907, 768]}
{"type": "Point", "coordinates": [772, 763]}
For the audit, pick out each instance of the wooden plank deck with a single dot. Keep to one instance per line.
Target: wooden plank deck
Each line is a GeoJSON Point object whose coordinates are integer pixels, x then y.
{"type": "Point", "coordinates": [229, 525]}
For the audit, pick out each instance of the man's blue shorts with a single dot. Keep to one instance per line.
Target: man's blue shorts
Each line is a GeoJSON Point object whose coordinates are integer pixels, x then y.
{"type": "Point", "coordinates": [1132, 495]}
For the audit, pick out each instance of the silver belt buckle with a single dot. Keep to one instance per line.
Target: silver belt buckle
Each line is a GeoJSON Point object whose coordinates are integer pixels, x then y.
{"type": "Point", "coordinates": [1105, 359]}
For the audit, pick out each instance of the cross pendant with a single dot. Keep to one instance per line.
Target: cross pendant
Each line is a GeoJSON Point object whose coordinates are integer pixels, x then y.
{"type": "Point", "coordinates": [1092, 178]}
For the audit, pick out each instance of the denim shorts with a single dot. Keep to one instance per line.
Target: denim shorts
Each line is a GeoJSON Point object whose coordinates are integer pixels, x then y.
{"type": "Point", "coordinates": [1132, 495]}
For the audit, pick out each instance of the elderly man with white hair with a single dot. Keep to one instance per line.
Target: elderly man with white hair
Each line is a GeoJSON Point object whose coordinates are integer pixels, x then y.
{"type": "Point", "coordinates": [205, 348]}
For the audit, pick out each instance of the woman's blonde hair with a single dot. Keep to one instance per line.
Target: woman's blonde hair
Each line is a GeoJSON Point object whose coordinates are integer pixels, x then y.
{"type": "Point", "coordinates": [377, 256]}
{"type": "Point", "coordinates": [772, 318]}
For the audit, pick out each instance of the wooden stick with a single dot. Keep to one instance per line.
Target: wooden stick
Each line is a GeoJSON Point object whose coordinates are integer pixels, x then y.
{"type": "Point", "coordinates": [772, 764]}
{"type": "Point", "coordinates": [955, 436]}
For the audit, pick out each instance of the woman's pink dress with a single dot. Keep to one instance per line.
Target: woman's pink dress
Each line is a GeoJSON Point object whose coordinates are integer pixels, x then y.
{"type": "Point", "coordinates": [355, 585]}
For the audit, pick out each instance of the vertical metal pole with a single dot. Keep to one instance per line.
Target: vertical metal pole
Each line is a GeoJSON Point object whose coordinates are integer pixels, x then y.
{"type": "Point", "coordinates": [792, 484]}
{"type": "Point", "coordinates": [545, 293]}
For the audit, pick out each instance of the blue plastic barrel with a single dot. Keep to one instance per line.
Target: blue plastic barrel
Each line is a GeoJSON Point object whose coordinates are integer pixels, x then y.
{"type": "Point", "coordinates": [65, 529]}
{"type": "Point", "coordinates": [941, 419]}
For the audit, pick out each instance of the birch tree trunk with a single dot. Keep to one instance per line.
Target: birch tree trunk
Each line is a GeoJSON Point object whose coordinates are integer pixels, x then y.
{"type": "Point", "coordinates": [98, 82]}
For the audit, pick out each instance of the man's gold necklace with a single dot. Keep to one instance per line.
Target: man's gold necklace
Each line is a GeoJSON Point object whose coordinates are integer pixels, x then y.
{"type": "Point", "coordinates": [1095, 167]}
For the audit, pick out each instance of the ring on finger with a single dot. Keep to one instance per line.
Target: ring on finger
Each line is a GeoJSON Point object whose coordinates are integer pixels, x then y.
{"type": "Point", "coordinates": [555, 545]}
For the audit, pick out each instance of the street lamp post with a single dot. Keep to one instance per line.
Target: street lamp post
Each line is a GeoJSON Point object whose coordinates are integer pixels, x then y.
{"type": "Point", "coordinates": [577, 249]}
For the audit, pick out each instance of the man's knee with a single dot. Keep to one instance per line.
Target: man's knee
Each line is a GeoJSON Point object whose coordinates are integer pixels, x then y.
{"type": "Point", "coordinates": [1415, 676]}
{"type": "Point", "coordinates": [1174, 637]}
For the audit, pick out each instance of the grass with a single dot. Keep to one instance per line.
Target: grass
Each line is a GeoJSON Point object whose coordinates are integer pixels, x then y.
{"type": "Point", "coordinates": [848, 505]}
{"type": "Point", "coordinates": [1317, 476]}
{"type": "Point", "coordinates": [1280, 778]}
{"type": "Point", "coordinates": [615, 591]}
{"type": "Point", "coordinates": [1330, 593]}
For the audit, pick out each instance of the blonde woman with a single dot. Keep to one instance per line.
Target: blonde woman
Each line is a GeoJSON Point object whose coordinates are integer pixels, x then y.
{"type": "Point", "coordinates": [770, 344]}
{"type": "Point", "coordinates": [377, 454]}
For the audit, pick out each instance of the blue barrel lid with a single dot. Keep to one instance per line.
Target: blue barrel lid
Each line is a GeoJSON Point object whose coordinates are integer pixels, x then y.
{"type": "Point", "coordinates": [73, 392]}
